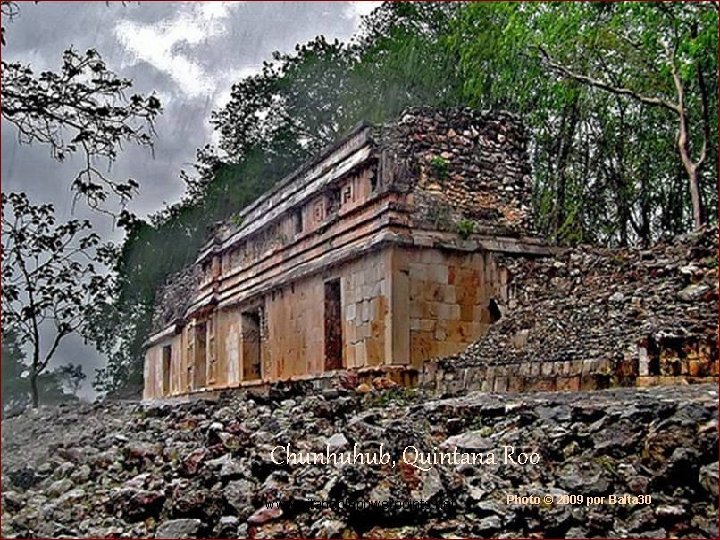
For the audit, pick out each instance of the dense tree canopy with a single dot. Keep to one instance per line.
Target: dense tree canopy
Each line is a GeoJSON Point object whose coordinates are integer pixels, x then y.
{"type": "Point", "coordinates": [620, 99]}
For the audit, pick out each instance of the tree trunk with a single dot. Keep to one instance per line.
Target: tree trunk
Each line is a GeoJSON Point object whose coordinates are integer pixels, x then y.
{"type": "Point", "coordinates": [692, 168]}
{"type": "Point", "coordinates": [567, 135]}
{"type": "Point", "coordinates": [693, 172]}
{"type": "Point", "coordinates": [34, 388]}
{"type": "Point", "coordinates": [645, 210]}
{"type": "Point", "coordinates": [695, 197]}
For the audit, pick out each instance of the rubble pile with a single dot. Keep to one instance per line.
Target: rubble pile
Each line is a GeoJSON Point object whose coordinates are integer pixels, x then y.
{"type": "Point", "coordinates": [601, 304]}
{"type": "Point", "coordinates": [205, 468]}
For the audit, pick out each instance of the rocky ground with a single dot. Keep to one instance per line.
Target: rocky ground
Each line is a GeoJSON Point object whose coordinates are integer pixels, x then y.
{"type": "Point", "coordinates": [592, 303]}
{"type": "Point", "coordinates": [205, 468]}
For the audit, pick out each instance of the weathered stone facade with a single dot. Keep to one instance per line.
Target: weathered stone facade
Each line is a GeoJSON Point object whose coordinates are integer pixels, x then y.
{"type": "Point", "coordinates": [378, 255]}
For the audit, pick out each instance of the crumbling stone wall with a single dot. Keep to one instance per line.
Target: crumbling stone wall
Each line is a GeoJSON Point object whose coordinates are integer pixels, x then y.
{"type": "Point", "coordinates": [174, 297]}
{"type": "Point", "coordinates": [592, 318]}
{"type": "Point", "coordinates": [468, 171]}
{"type": "Point", "coordinates": [434, 194]}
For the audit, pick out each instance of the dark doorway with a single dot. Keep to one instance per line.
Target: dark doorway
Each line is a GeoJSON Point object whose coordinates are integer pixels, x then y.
{"type": "Point", "coordinates": [251, 350]}
{"type": "Point", "coordinates": [166, 366]}
{"type": "Point", "coordinates": [200, 371]}
{"type": "Point", "coordinates": [494, 309]}
{"type": "Point", "coordinates": [333, 326]}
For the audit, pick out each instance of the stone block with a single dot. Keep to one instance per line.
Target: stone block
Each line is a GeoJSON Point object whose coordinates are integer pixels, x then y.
{"type": "Point", "coordinates": [500, 384]}
{"type": "Point", "coordinates": [643, 362]}
{"type": "Point", "coordinates": [568, 383]}
{"type": "Point", "coordinates": [467, 313]}
{"type": "Point", "coordinates": [541, 384]}
{"type": "Point", "coordinates": [434, 292]}
{"type": "Point", "coordinates": [417, 309]}
{"type": "Point", "coordinates": [515, 384]}
{"type": "Point", "coordinates": [438, 273]}
{"type": "Point", "coordinates": [365, 311]}
{"type": "Point", "coordinates": [443, 311]}
{"type": "Point", "coordinates": [574, 367]}
{"type": "Point", "coordinates": [432, 256]}
{"type": "Point", "coordinates": [418, 271]}
{"type": "Point", "coordinates": [589, 382]}
{"type": "Point", "coordinates": [698, 368]}
{"type": "Point", "coordinates": [350, 355]}
{"type": "Point", "coordinates": [428, 325]}
{"type": "Point", "coordinates": [450, 294]}
{"type": "Point", "coordinates": [384, 287]}
{"type": "Point", "coordinates": [360, 354]}
{"type": "Point", "coordinates": [452, 274]}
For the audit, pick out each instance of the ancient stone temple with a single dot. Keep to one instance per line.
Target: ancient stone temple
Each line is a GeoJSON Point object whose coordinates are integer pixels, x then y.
{"type": "Point", "coordinates": [377, 255]}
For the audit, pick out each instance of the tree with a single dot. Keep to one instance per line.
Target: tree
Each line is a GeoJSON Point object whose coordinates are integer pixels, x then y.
{"type": "Point", "coordinates": [52, 277]}
{"type": "Point", "coordinates": [71, 376]}
{"type": "Point", "coordinates": [83, 108]}
{"type": "Point", "coordinates": [605, 164]}
{"type": "Point", "coordinates": [659, 56]}
{"type": "Point", "coordinates": [15, 395]}
{"type": "Point", "coordinates": [86, 111]}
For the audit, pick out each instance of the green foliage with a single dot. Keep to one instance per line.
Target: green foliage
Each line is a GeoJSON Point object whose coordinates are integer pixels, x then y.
{"type": "Point", "coordinates": [53, 278]}
{"type": "Point", "coordinates": [465, 228]}
{"type": "Point", "coordinates": [85, 109]}
{"type": "Point", "coordinates": [606, 166]}
{"type": "Point", "coordinates": [399, 395]}
{"type": "Point", "coordinates": [440, 167]}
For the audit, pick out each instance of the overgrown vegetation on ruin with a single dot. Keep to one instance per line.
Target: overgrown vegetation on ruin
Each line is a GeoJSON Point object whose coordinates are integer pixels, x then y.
{"type": "Point", "coordinates": [620, 100]}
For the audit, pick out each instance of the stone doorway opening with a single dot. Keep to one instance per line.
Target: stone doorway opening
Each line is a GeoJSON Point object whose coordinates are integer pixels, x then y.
{"type": "Point", "coordinates": [333, 326]}
{"type": "Point", "coordinates": [200, 368]}
{"type": "Point", "coordinates": [251, 350]}
{"type": "Point", "coordinates": [166, 366]}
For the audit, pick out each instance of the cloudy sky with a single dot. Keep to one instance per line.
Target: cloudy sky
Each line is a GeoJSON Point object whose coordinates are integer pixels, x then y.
{"type": "Point", "coordinates": [188, 53]}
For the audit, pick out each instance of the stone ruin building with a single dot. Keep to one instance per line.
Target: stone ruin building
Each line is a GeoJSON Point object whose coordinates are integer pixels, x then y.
{"type": "Point", "coordinates": [407, 251]}
{"type": "Point", "coordinates": [379, 254]}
